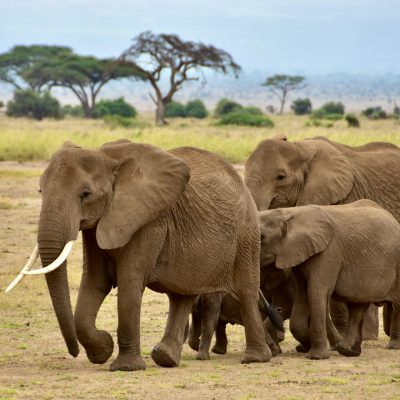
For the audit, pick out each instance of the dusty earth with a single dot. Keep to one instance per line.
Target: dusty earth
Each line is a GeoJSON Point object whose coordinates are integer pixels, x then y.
{"type": "Point", "coordinates": [34, 363]}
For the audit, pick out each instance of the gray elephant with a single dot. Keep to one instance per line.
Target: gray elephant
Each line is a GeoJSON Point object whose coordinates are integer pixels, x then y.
{"type": "Point", "coordinates": [180, 222]}
{"type": "Point", "coordinates": [280, 173]}
{"type": "Point", "coordinates": [350, 252]}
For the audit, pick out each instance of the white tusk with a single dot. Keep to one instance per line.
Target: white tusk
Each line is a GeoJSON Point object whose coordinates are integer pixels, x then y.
{"type": "Point", "coordinates": [27, 267]}
{"type": "Point", "coordinates": [55, 264]}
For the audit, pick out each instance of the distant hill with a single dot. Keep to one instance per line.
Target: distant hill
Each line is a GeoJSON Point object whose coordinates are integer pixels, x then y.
{"type": "Point", "coordinates": [355, 91]}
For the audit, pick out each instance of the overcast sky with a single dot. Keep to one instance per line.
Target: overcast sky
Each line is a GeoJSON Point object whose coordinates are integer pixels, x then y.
{"type": "Point", "coordinates": [288, 36]}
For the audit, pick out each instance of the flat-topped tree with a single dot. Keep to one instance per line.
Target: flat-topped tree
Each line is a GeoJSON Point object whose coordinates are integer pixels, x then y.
{"type": "Point", "coordinates": [281, 85]}
{"type": "Point", "coordinates": [16, 65]}
{"type": "Point", "coordinates": [85, 76]}
{"type": "Point", "coordinates": [160, 56]}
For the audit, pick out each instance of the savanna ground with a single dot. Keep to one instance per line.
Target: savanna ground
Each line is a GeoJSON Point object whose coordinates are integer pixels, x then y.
{"type": "Point", "coordinates": [34, 362]}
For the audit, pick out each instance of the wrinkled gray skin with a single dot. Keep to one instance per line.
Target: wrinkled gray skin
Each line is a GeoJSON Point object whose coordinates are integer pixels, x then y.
{"type": "Point", "coordinates": [213, 311]}
{"type": "Point", "coordinates": [180, 222]}
{"type": "Point", "coordinates": [280, 173]}
{"type": "Point", "coordinates": [350, 252]}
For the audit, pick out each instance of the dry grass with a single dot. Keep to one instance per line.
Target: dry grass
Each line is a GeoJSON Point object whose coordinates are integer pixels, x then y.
{"type": "Point", "coordinates": [24, 140]}
{"type": "Point", "coordinates": [34, 363]}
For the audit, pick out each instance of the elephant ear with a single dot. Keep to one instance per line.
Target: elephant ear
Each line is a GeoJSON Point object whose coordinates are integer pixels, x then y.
{"type": "Point", "coordinates": [329, 177]}
{"type": "Point", "coordinates": [306, 232]}
{"type": "Point", "coordinates": [148, 182]}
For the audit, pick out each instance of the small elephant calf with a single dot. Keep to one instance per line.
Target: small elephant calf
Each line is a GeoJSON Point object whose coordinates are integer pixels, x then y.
{"type": "Point", "coordinates": [350, 252]}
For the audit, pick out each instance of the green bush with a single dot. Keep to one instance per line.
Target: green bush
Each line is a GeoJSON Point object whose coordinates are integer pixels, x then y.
{"type": "Point", "coordinates": [175, 109]}
{"type": "Point", "coordinates": [1, 104]}
{"type": "Point", "coordinates": [114, 107]}
{"type": "Point", "coordinates": [242, 117]}
{"type": "Point", "coordinates": [352, 121]}
{"type": "Point", "coordinates": [253, 110]}
{"type": "Point", "coordinates": [226, 106]}
{"type": "Point", "coordinates": [333, 108]}
{"type": "Point", "coordinates": [301, 106]}
{"type": "Point", "coordinates": [196, 109]}
{"type": "Point", "coordinates": [321, 114]}
{"type": "Point", "coordinates": [118, 121]}
{"type": "Point", "coordinates": [375, 113]}
{"type": "Point", "coordinates": [27, 103]}
{"type": "Point", "coordinates": [73, 111]}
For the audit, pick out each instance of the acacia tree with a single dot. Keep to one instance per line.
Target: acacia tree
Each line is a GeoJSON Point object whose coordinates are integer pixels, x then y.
{"type": "Point", "coordinates": [160, 56]}
{"type": "Point", "coordinates": [281, 85]}
{"type": "Point", "coordinates": [16, 65]}
{"type": "Point", "coordinates": [85, 76]}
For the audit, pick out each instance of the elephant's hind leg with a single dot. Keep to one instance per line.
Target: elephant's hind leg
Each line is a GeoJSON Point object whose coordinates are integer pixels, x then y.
{"type": "Point", "coordinates": [350, 346]}
{"type": "Point", "coordinates": [394, 342]}
{"type": "Point", "coordinates": [221, 341]}
{"type": "Point", "coordinates": [167, 353]}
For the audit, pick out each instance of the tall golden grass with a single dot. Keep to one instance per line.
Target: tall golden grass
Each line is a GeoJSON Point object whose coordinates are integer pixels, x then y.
{"type": "Point", "coordinates": [24, 139]}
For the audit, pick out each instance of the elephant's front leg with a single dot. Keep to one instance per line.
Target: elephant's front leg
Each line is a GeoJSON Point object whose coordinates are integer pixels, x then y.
{"type": "Point", "coordinates": [168, 352]}
{"type": "Point", "coordinates": [130, 291]}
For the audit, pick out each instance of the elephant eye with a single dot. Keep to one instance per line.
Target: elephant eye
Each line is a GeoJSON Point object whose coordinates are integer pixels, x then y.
{"type": "Point", "coordinates": [280, 177]}
{"type": "Point", "coordinates": [84, 194]}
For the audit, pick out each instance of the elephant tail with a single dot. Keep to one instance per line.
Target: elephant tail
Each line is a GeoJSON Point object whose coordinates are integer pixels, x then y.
{"type": "Point", "coordinates": [272, 312]}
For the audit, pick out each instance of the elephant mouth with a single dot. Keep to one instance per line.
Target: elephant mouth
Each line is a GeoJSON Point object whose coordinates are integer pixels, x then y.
{"type": "Point", "coordinates": [267, 259]}
{"type": "Point", "coordinates": [87, 224]}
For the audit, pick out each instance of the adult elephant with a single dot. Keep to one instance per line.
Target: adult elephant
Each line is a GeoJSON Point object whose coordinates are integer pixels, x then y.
{"type": "Point", "coordinates": [180, 222]}
{"type": "Point", "coordinates": [280, 173]}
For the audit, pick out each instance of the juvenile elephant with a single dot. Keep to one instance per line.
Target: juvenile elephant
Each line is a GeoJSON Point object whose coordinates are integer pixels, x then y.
{"type": "Point", "coordinates": [350, 252]}
{"type": "Point", "coordinates": [180, 222]}
{"type": "Point", "coordinates": [280, 173]}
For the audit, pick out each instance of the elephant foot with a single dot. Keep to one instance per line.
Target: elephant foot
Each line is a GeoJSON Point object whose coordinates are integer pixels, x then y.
{"type": "Point", "coordinates": [253, 356]}
{"type": "Point", "coordinates": [349, 351]}
{"type": "Point", "coordinates": [393, 345]}
{"type": "Point", "coordinates": [302, 348]}
{"type": "Point", "coordinates": [125, 362]}
{"type": "Point", "coordinates": [100, 351]}
{"type": "Point", "coordinates": [164, 357]}
{"type": "Point", "coordinates": [275, 349]}
{"type": "Point", "coordinates": [219, 349]}
{"type": "Point", "coordinates": [318, 354]}
{"type": "Point", "coordinates": [194, 344]}
{"type": "Point", "coordinates": [202, 355]}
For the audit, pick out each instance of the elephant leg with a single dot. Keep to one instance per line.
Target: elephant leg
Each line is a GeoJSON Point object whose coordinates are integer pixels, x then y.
{"type": "Point", "coordinates": [94, 287]}
{"type": "Point", "coordinates": [334, 336]}
{"type": "Point", "coordinates": [370, 328]}
{"type": "Point", "coordinates": [394, 343]}
{"type": "Point", "coordinates": [195, 326]}
{"type": "Point", "coordinates": [299, 318]}
{"type": "Point", "coordinates": [271, 338]}
{"type": "Point", "coordinates": [210, 309]}
{"type": "Point", "coordinates": [339, 314]}
{"type": "Point", "coordinates": [387, 317]}
{"type": "Point", "coordinates": [167, 353]}
{"type": "Point", "coordinates": [130, 292]}
{"type": "Point", "coordinates": [221, 341]}
{"type": "Point", "coordinates": [351, 344]}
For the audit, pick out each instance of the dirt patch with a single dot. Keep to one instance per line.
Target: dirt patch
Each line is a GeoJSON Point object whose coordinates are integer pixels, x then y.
{"type": "Point", "coordinates": [34, 363]}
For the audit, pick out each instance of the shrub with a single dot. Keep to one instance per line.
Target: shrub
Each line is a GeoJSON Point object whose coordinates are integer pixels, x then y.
{"type": "Point", "coordinates": [352, 121]}
{"type": "Point", "coordinates": [27, 103]}
{"type": "Point", "coordinates": [73, 111]}
{"type": "Point", "coordinates": [333, 108]}
{"type": "Point", "coordinates": [117, 121]}
{"type": "Point", "coordinates": [375, 113]}
{"type": "Point", "coordinates": [196, 109]}
{"type": "Point", "coordinates": [242, 117]}
{"type": "Point", "coordinates": [175, 109]}
{"type": "Point", "coordinates": [301, 106]}
{"type": "Point", "coordinates": [226, 106]}
{"type": "Point", "coordinates": [1, 104]}
{"type": "Point", "coordinates": [253, 110]}
{"type": "Point", "coordinates": [114, 107]}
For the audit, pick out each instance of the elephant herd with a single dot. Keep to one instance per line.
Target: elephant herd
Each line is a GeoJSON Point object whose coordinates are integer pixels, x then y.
{"type": "Point", "coordinates": [312, 230]}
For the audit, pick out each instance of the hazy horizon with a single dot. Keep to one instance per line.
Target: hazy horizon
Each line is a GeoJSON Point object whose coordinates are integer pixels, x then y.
{"type": "Point", "coordinates": [289, 36]}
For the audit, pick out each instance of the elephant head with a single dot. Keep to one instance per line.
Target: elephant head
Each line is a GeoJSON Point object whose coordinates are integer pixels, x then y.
{"type": "Point", "coordinates": [116, 190]}
{"type": "Point", "coordinates": [290, 236]}
{"type": "Point", "coordinates": [280, 173]}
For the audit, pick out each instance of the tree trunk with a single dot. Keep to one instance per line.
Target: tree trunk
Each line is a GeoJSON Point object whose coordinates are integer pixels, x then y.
{"type": "Point", "coordinates": [160, 113]}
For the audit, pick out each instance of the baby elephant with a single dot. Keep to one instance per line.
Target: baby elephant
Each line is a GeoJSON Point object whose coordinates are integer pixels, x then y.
{"type": "Point", "coordinates": [350, 252]}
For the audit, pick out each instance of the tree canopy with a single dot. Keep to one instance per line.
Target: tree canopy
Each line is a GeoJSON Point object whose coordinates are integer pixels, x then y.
{"type": "Point", "coordinates": [180, 60]}
{"type": "Point", "coordinates": [16, 64]}
{"type": "Point", "coordinates": [280, 85]}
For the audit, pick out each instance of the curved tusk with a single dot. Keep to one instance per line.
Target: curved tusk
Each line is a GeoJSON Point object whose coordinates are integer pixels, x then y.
{"type": "Point", "coordinates": [27, 267]}
{"type": "Point", "coordinates": [55, 264]}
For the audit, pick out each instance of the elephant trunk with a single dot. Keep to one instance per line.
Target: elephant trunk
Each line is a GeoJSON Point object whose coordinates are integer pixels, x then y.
{"type": "Point", "coordinates": [51, 240]}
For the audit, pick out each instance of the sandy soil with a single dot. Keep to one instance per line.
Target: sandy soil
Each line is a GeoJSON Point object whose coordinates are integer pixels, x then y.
{"type": "Point", "coordinates": [34, 363]}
